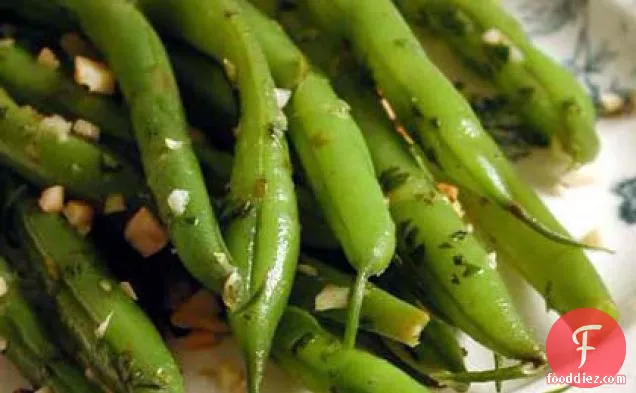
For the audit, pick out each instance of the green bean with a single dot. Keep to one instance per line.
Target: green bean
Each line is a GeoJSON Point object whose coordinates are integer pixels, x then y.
{"type": "Point", "coordinates": [28, 345]}
{"type": "Point", "coordinates": [446, 125]}
{"type": "Point", "coordinates": [172, 171]}
{"type": "Point", "coordinates": [494, 45]}
{"type": "Point", "coordinates": [320, 289]}
{"type": "Point", "coordinates": [112, 335]}
{"type": "Point", "coordinates": [563, 275]}
{"type": "Point", "coordinates": [263, 232]}
{"type": "Point", "coordinates": [46, 155]}
{"type": "Point", "coordinates": [314, 134]}
{"type": "Point", "coordinates": [305, 350]}
{"type": "Point", "coordinates": [335, 159]}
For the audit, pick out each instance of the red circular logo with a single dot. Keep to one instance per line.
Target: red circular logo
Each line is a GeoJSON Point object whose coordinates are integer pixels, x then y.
{"type": "Point", "coordinates": [585, 348]}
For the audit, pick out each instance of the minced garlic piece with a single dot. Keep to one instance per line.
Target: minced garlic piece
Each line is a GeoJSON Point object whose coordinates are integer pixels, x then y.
{"type": "Point", "coordinates": [95, 75]}
{"type": "Point", "coordinates": [173, 144]}
{"type": "Point", "coordinates": [282, 97]}
{"type": "Point", "coordinates": [332, 297]}
{"type": "Point", "coordinates": [178, 201]}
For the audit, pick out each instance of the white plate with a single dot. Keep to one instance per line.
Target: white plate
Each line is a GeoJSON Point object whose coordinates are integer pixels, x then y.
{"type": "Point", "coordinates": [597, 39]}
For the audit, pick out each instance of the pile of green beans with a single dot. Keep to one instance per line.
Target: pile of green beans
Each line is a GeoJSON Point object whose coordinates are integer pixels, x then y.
{"type": "Point", "coordinates": [320, 221]}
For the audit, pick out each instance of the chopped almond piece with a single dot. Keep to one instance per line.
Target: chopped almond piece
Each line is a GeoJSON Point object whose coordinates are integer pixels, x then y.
{"type": "Point", "coordinates": [199, 312]}
{"type": "Point", "coordinates": [48, 58]}
{"type": "Point", "coordinates": [95, 75]}
{"type": "Point", "coordinates": [145, 233]}
{"type": "Point", "coordinates": [52, 199]}
{"type": "Point", "coordinates": [80, 215]}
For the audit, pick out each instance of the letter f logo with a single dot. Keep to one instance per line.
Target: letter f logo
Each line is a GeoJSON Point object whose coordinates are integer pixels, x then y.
{"type": "Point", "coordinates": [583, 344]}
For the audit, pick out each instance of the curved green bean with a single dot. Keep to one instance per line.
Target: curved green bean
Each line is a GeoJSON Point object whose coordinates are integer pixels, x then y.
{"type": "Point", "coordinates": [263, 232]}
{"type": "Point", "coordinates": [172, 171]}
{"type": "Point", "coordinates": [112, 335]}
{"type": "Point", "coordinates": [305, 350]}
{"type": "Point", "coordinates": [493, 44]}
{"type": "Point", "coordinates": [30, 348]}
{"type": "Point", "coordinates": [563, 275]}
{"type": "Point", "coordinates": [334, 157]}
